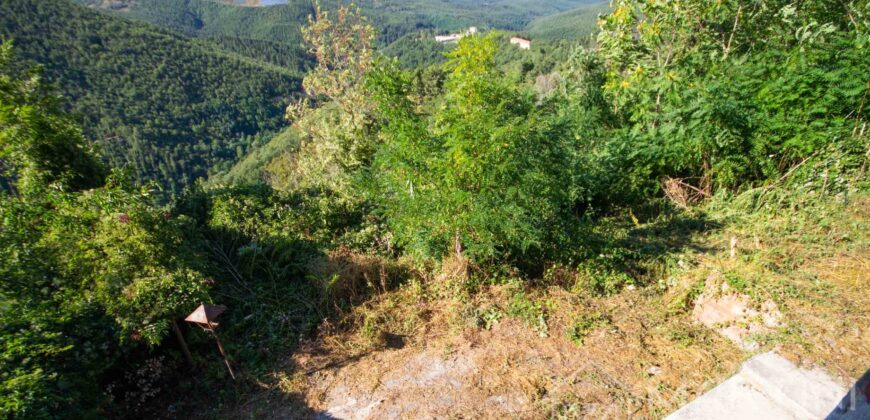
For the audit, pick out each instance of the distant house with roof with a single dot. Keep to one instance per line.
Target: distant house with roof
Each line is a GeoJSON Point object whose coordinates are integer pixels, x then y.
{"type": "Point", "coordinates": [448, 38]}
{"type": "Point", "coordinates": [523, 43]}
{"type": "Point", "coordinates": [456, 37]}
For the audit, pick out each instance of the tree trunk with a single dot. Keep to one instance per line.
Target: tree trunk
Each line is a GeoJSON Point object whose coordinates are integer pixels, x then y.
{"type": "Point", "coordinates": [183, 343]}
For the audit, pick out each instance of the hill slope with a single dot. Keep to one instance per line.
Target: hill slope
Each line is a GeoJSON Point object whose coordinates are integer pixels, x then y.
{"type": "Point", "coordinates": [573, 24]}
{"type": "Point", "coordinates": [267, 34]}
{"type": "Point", "coordinates": [280, 23]}
{"type": "Point", "coordinates": [171, 107]}
{"type": "Point", "coordinates": [206, 18]}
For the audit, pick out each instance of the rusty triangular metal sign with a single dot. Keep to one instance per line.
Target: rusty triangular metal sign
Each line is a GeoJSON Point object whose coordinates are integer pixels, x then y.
{"type": "Point", "coordinates": [206, 314]}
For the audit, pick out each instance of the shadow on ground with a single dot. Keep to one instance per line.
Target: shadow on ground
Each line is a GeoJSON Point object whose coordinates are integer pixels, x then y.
{"type": "Point", "coordinates": [855, 405]}
{"type": "Point", "coordinates": [644, 250]}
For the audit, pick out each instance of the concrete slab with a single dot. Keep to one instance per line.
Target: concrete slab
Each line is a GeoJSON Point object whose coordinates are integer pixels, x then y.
{"type": "Point", "coordinates": [735, 398]}
{"type": "Point", "coordinates": [809, 393]}
{"type": "Point", "coordinates": [767, 387]}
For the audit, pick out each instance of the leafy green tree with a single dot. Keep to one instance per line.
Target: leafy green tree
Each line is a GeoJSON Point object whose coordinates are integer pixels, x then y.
{"type": "Point", "coordinates": [334, 120]}
{"type": "Point", "coordinates": [488, 174]}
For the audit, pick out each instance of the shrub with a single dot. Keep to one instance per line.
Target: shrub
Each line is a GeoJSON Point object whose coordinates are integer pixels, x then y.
{"type": "Point", "coordinates": [483, 175]}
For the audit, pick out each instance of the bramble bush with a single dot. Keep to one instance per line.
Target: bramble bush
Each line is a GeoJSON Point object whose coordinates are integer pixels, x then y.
{"type": "Point", "coordinates": [732, 94]}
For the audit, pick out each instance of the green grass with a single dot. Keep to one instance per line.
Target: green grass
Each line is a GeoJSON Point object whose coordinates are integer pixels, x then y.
{"type": "Point", "coordinates": [584, 325]}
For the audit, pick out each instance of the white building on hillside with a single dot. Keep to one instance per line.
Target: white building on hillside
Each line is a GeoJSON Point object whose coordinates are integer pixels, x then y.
{"type": "Point", "coordinates": [521, 42]}
{"type": "Point", "coordinates": [448, 38]}
{"type": "Point", "coordinates": [456, 37]}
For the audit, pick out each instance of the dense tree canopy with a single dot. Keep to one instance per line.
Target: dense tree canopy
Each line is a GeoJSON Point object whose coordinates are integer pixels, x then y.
{"type": "Point", "coordinates": [170, 107]}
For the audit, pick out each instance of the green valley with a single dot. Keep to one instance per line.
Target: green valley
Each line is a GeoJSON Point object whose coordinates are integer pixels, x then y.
{"type": "Point", "coordinates": [240, 66]}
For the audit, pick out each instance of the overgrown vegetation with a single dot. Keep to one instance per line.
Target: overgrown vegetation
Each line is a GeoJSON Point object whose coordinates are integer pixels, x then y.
{"type": "Point", "coordinates": [458, 197]}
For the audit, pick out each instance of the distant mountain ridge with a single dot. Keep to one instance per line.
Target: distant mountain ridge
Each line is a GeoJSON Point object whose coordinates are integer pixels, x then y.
{"type": "Point", "coordinates": [281, 23]}
{"type": "Point", "coordinates": [572, 24]}
{"type": "Point", "coordinates": [210, 18]}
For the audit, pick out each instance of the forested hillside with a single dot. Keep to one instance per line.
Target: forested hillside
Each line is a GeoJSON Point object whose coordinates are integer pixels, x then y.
{"type": "Point", "coordinates": [280, 23]}
{"type": "Point", "coordinates": [418, 49]}
{"type": "Point", "coordinates": [167, 140]}
{"type": "Point", "coordinates": [171, 107]}
{"type": "Point", "coordinates": [532, 230]}
{"type": "Point", "coordinates": [453, 15]}
{"type": "Point", "coordinates": [573, 24]}
{"type": "Point", "coordinates": [206, 18]}
{"type": "Point", "coordinates": [266, 34]}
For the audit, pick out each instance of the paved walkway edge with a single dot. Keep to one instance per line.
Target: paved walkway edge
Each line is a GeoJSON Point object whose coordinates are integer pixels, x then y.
{"type": "Point", "coordinates": [767, 387]}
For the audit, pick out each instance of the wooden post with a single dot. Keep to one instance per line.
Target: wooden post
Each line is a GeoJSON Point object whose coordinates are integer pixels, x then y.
{"type": "Point", "coordinates": [223, 353]}
{"type": "Point", "coordinates": [203, 316]}
{"type": "Point", "coordinates": [183, 343]}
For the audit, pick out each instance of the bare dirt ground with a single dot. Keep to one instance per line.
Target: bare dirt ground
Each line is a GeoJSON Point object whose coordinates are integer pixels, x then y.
{"type": "Point", "coordinates": [628, 365]}
{"type": "Point", "coordinates": [792, 282]}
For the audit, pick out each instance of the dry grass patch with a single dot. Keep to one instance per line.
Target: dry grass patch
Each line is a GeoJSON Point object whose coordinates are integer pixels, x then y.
{"type": "Point", "coordinates": [637, 361]}
{"type": "Point", "coordinates": [448, 343]}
